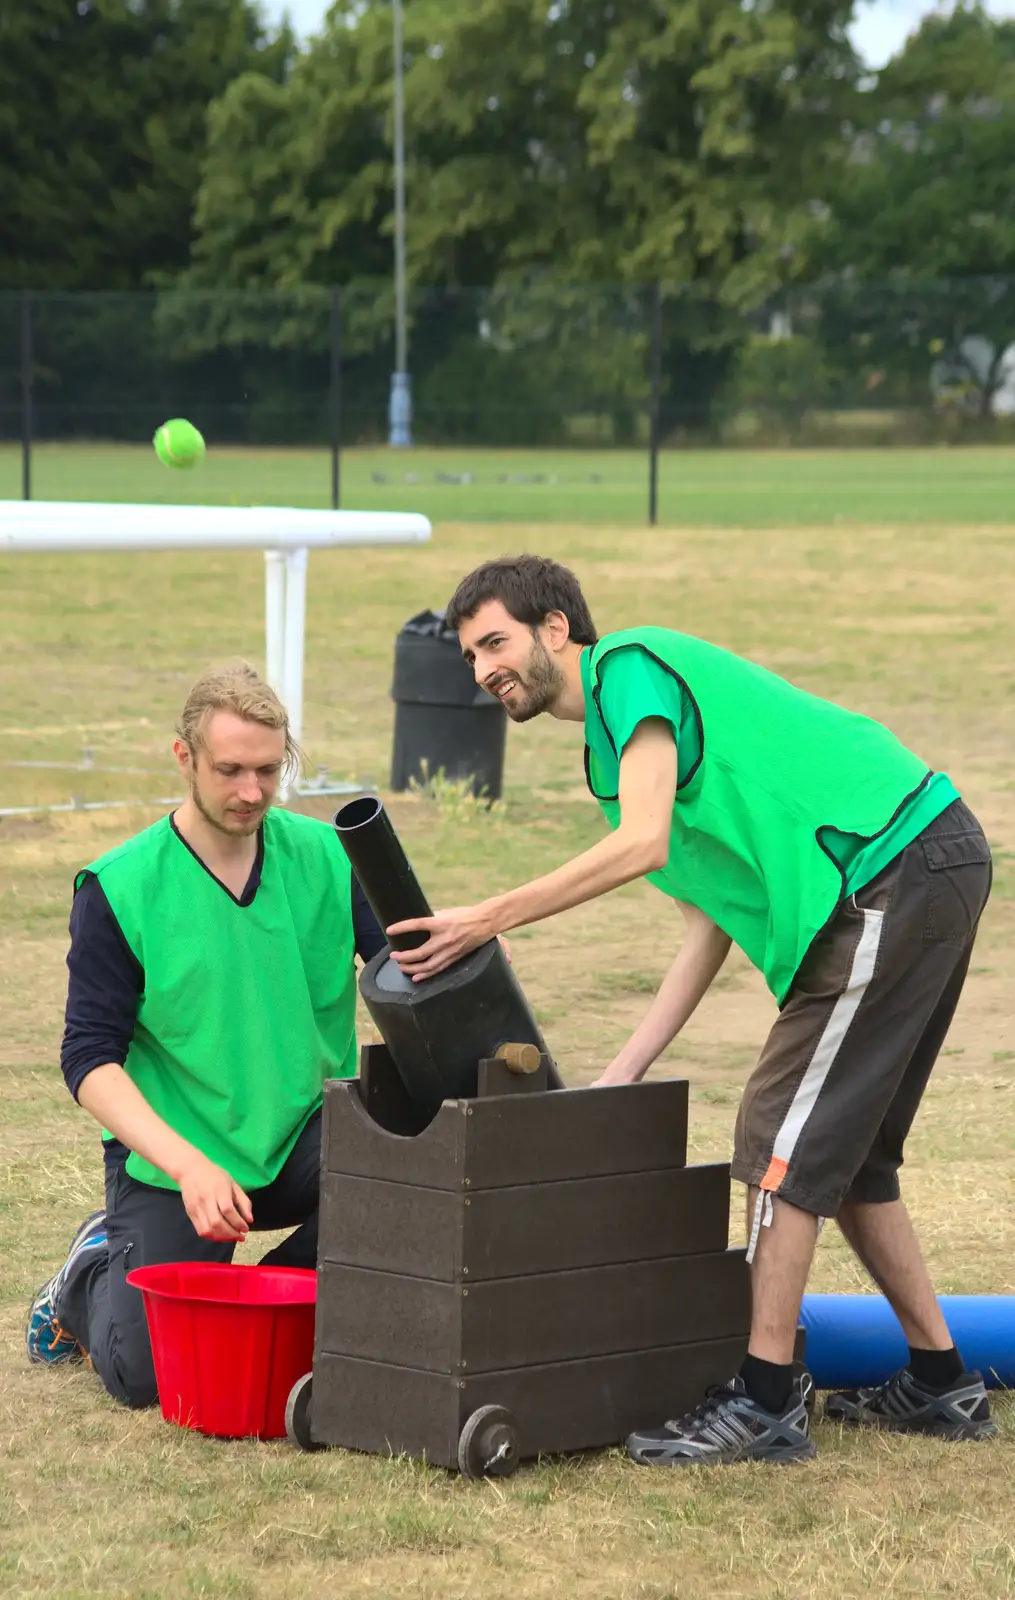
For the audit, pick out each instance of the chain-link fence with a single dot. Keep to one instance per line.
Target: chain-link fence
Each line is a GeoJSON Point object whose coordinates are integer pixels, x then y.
{"type": "Point", "coordinates": [540, 366]}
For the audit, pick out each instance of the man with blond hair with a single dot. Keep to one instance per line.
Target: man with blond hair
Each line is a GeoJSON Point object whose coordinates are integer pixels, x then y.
{"type": "Point", "coordinates": [212, 991]}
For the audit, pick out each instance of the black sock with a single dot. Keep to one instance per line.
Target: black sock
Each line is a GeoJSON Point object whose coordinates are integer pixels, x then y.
{"type": "Point", "coordinates": [936, 1369]}
{"type": "Point", "coordinates": [768, 1383]}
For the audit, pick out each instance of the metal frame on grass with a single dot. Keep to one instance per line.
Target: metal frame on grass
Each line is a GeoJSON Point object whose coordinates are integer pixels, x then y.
{"type": "Point", "coordinates": [38, 527]}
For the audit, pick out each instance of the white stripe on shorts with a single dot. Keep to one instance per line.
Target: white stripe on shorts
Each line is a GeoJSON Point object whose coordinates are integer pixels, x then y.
{"type": "Point", "coordinates": [843, 1012]}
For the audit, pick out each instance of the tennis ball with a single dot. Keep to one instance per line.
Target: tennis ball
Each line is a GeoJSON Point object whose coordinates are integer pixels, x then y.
{"type": "Point", "coordinates": [178, 444]}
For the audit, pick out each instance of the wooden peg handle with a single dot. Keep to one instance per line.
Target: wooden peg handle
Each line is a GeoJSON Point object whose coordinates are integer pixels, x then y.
{"type": "Point", "coordinates": [520, 1057]}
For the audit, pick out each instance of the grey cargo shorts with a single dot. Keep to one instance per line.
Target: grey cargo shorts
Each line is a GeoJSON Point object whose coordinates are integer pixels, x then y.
{"type": "Point", "coordinates": [826, 1112]}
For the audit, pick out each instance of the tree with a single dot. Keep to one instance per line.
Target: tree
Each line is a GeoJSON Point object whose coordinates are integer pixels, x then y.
{"type": "Point", "coordinates": [296, 183]}
{"type": "Point", "coordinates": [928, 185]}
{"type": "Point", "coordinates": [673, 140]}
{"type": "Point", "coordinates": [918, 242]}
{"type": "Point", "coordinates": [678, 140]}
{"type": "Point", "coordinates": [102, 131]}
{"type": "Point", "coordinates": [548, 144]}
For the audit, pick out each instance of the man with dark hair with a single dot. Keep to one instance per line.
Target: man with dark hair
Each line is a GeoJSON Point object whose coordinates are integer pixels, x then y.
{"type": "Point", "coordinates": [851, 876]}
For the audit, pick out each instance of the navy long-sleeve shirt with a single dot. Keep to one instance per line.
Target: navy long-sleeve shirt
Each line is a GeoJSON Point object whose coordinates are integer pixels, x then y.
{"type": "Point", "coordinates": [106, 979]}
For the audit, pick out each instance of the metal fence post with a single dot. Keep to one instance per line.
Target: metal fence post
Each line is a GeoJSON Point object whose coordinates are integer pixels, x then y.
{"type": "Point", "coordinates": [26, 394]}
{"type": "Point", "coordinates": [656, 372]}
{"type": "Point", "coordinates": [335, 395]}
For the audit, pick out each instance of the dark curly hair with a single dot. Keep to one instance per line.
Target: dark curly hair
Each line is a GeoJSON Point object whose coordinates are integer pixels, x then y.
{"type": "Point", "coordinates": [529, 588]}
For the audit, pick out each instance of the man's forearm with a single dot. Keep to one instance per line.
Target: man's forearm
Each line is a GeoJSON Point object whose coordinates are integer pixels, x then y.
{"type": "Point", "coordinates": [700, 957]}
{"type": "Point", "coordinates": [641, 844]}
{"type": "Point", "coordinates": [117, 1104]}
{"type": "Point", "coordinates": [619, 858]}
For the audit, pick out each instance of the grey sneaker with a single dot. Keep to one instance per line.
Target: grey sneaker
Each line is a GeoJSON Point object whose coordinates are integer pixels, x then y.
{"type": "Point", "coordinates": [728, 1426]}
{"type": "Point", "coordinates": [905, 1406]}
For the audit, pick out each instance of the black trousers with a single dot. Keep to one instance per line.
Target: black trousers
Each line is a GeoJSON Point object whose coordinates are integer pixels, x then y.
{"type": "Point", "coordinates": [146, 1227]}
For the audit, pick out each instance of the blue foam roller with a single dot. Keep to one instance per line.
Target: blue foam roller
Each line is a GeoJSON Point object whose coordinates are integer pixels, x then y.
{"type": "Point", "coordinates": [854, 1340]}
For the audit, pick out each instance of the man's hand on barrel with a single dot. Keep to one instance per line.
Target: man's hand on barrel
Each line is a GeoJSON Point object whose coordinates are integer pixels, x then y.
{"type": "Point", "coordinates": [452, 935]}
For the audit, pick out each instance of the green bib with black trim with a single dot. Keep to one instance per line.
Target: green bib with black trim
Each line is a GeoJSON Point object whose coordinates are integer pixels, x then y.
{"type": "Point", "coordinates": [783, 788]}
{"type": "Point", "coordinates": [246, 1009]}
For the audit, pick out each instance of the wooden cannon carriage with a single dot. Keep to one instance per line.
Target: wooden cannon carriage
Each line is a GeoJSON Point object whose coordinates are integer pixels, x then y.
{"type": "Point", "coordinates": [533, 1272]}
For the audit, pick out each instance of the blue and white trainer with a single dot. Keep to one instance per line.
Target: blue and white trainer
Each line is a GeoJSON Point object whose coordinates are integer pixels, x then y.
{"type": "Point", "coordinates": [727, 1427]}
{"type": "Point", "coordinates": [47, 1341]}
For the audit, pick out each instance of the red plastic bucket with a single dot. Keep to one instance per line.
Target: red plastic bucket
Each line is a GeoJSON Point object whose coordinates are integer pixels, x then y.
{"type": "Point", "coordinates": [229, 1342]}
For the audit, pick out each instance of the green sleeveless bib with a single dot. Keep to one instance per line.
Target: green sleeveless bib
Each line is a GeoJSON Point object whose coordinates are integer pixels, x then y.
{"type": "Point", "coordinates": [246, 1010]}
{"type": "Point", "coordinates": [779, 777]}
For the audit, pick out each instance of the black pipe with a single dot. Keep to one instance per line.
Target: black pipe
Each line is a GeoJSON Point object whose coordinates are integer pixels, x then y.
{"type": "Point", "coordinates": [382, 867]}
{"type": "Point", "coordinates": [436, 1031]}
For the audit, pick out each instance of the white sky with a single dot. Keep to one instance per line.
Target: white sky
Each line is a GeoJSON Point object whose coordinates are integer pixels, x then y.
{"type": "Point", "coordinates": [881, 26]}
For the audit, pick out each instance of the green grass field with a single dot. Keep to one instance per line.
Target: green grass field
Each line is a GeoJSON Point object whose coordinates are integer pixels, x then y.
{"type": "Point", "coordinates": [697, 488]}
{"type": "Point", "coordinates": [914, 628]}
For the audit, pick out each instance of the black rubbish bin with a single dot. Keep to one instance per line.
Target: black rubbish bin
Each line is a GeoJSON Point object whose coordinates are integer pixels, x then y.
{"type": "Point", "coordinates": [443, 719]}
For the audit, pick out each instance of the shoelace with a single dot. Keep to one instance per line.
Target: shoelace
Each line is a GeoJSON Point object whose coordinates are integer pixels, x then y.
{"type": "Point", "coordinates": [715, 1398]}
{"type": "Point", "coordinates": [59, 1333]}
{"type": "Point", "coordinates": [882, 1395]}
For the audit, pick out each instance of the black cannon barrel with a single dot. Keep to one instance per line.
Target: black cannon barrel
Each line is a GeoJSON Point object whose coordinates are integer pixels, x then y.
{"type": "Point", "coordinates": [439, 1030]}
{"type": "Point", "coordinates": [382, 867]}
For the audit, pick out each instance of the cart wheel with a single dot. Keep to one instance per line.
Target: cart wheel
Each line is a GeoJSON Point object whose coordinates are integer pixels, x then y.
{"type": "Point", "coordinates": [488, 1446]}
{"type": "Point", "coordinates": [297, 1414]}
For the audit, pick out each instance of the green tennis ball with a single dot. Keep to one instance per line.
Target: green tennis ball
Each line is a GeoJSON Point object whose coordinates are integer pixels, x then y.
{"type": "Point", "coordinates": [178, 444]}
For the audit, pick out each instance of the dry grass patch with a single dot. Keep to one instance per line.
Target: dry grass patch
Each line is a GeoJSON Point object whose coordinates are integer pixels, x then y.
{"type": "Point", "coordinates": [911, 625]}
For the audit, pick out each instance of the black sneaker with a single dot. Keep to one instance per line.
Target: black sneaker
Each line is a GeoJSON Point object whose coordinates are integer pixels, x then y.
{"type": "Point", "coordinates": [962, 1411]}
{"type": "Point", "coordinates": [728, 1426]}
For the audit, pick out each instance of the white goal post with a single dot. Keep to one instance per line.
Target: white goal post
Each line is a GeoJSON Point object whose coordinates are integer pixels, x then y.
{"type": "Point", "coordinates": [286, 535]}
